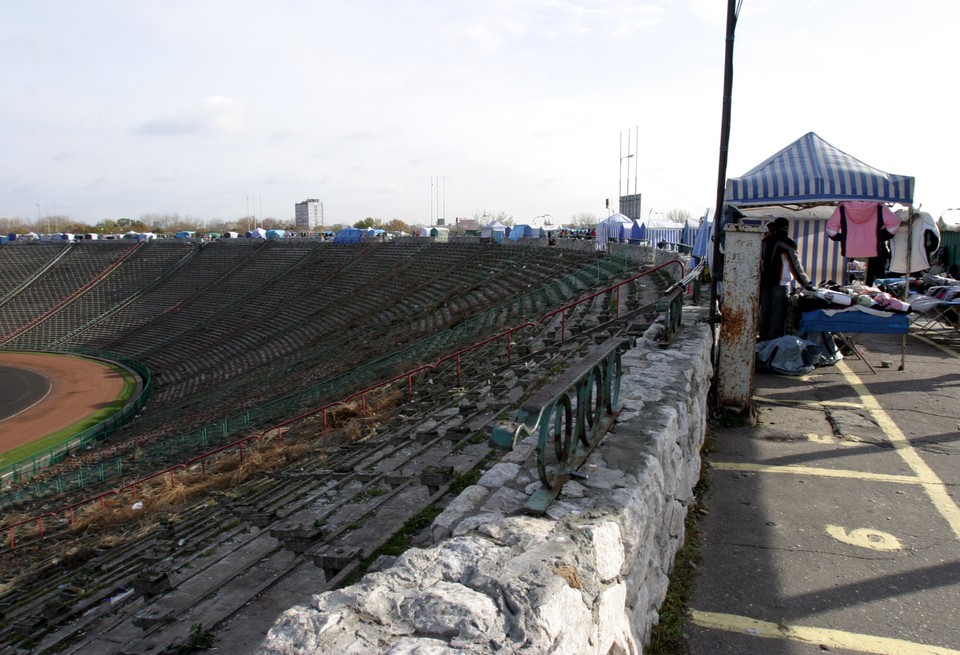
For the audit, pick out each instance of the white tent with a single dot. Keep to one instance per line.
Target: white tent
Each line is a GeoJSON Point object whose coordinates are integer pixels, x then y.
{"type": "Point", "coordinates": [545, 222]}
{"type": "Point", "coordinates": [613, 228]}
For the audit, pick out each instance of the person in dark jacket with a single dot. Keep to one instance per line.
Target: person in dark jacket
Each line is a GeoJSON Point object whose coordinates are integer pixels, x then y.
{"type": "Point", "coordinates": [779, 266]}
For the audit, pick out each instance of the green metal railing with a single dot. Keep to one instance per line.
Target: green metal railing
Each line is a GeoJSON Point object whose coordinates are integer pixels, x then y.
{"type": "Point", "coordinates": [569, 418]}
{"type": "Point", "coordinates": [78, 443]}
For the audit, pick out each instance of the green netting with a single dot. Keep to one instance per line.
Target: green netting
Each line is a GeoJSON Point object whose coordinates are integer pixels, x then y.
{"type": "Point", "coordinates": [429, 348]}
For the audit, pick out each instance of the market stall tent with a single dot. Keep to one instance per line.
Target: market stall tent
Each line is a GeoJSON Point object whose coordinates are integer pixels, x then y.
{"type": "Point", "coordinates": [494, 231]}
{"type": "Point", "coordinates": [797, 181]}
{"type": "Point", "coordinates": [526, 231]}
{"type": "Point", "coordinates": [616, 227]}
{"type": "Point", "coordinates": [657, 231]}
{"type": "Point", "coordinates": [812, 171]}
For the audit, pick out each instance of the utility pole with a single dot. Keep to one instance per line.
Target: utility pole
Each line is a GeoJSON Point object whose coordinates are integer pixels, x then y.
{"type": "Point", "coordinates": [733, 9]}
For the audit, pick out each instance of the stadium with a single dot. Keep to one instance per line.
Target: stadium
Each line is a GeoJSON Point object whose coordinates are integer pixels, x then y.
{"type": "Point", "coordinates": [219, 389]}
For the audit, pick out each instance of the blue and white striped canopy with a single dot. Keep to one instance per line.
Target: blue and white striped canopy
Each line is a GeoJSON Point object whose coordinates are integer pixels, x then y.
{"type": "Point", "coordinates": [810, 170]}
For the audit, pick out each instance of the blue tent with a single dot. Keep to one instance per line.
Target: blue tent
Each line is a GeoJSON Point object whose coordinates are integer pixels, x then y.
{"type": "Point", "coordinates": [657, 230]}
{"type": "Point", "coordinates": [349, 235]}
{"type": "Point", "coordinates": [495, 231]}
{"type": "Point", "coordinates": [526, 232]}
{"type": "Point", "coordinates": [276, 234]}
{"type": "Point", "coordinates": [809, 171]}
{"type": "Point", "coordinates": [689, 234]}
{"type": "Point", "coordinates": [702, 243]}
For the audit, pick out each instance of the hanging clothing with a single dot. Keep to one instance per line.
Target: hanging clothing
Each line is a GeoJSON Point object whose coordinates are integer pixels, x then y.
{"type": "Point", "coordinates": [924, 236]}
{"type": "Point", "coordinates": [861, 227]}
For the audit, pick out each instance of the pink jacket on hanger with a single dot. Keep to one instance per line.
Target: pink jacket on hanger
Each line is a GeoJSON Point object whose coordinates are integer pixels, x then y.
{"type": "Point", "coordinates": [860, 237]}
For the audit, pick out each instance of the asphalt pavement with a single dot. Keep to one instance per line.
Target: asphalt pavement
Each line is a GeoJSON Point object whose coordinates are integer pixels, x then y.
{"type": "Point", "coordinates": [20, 390]}
{"type": "Point", "coordinates": [832, 524]}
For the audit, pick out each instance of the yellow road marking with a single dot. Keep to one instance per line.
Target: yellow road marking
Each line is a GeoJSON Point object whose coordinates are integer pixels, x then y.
{"type": "Point", "coordinates": [864, 538]}
{"type": "Point", "coordinates": [813, 470]}
{"type": "Point", "coordinates": [819, 636]}
{"type": "Point", "coordinates": [932, 484]}
{"type": "Point", "coordinates": [949, 351]}
{"type": "Point", "coordinates": [811, 403]}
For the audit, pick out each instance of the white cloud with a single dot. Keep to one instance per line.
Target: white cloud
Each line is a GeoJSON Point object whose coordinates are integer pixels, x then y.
{"type": "Point", "coordinates": [215, 114]}
{"type": "Point", "coordinates": [517, 103]}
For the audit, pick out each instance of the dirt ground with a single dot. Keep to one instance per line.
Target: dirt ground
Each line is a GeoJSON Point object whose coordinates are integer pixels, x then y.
{"type": "Point", "coordinates": [80, 388]}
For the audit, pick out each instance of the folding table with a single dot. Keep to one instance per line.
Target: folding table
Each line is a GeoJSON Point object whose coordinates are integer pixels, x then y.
{"type": "Point", "coordinates": [845, 324]}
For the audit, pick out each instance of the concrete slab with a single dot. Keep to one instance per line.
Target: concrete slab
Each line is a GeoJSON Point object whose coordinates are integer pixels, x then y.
{"type": "Point", "coordinates": [858, 551]}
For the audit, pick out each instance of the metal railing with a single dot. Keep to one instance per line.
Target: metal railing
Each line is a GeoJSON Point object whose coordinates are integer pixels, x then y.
{"type": "Point", "coordinates": [569, 418]}
{"type": "Point", "coordinates": [77, 443]}
{"type": "Point", "coordinates": [602, 386]}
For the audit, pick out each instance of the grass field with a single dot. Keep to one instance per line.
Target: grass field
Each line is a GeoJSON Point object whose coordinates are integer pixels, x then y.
{"type": "Point", "coordinates": [61, 436]}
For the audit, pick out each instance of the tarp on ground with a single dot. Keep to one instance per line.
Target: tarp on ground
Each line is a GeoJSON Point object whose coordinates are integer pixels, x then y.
{"type": "Point", "coordinates": [811, 171]}
{"type": "Point", "coordinates": [348, 235]}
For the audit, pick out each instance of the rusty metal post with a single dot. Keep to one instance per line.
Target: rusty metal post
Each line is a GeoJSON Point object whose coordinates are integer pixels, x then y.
{"type": "Point", "coordinates": [738, 327]}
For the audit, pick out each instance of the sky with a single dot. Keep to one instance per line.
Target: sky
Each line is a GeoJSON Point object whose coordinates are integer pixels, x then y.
{"type": "Point", "coordinates": [426, 109]}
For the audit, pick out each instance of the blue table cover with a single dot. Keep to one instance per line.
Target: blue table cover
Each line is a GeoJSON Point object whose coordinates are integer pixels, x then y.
{"type": "Point", "coordinates": [854, 321]}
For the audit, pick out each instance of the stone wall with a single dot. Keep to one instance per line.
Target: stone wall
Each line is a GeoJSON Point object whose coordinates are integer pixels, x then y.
{"type": "Point", "coordinates": [588, 577]}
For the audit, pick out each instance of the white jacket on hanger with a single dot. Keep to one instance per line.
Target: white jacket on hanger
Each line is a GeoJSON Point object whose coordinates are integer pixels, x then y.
{"type": "Point", "coordinates": [923, 226]}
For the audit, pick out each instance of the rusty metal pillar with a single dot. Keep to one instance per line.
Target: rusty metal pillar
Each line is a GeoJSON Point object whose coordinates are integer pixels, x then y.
{"type": "Point", "coordinates": [740, 308]}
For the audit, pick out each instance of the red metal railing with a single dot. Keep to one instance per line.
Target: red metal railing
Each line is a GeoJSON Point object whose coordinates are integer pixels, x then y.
{"type": "Point", "coordinates": [616, 288]}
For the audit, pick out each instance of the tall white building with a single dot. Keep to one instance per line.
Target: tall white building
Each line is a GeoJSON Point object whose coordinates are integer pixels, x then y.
{"type": "Point", "coordinates": [309, 214]}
